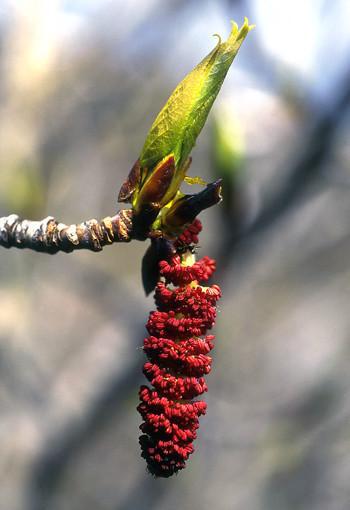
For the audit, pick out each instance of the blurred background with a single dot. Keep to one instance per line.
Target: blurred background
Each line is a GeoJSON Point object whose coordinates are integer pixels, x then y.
{"type": "Point", "coordinates": [81, 82]}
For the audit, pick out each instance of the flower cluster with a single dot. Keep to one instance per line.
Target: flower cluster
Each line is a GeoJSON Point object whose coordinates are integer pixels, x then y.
{"type": "Point", "coordinates": [178, 357]}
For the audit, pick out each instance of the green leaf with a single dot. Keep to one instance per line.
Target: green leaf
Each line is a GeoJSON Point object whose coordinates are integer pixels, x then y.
{"type": "Point", "coordinates": [179, 123]}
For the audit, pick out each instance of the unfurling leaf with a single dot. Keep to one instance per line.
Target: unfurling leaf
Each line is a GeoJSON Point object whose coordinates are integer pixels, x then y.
{"type": "Point", "coordinates": [179, 123]}
{"type": "Point", "coordinates": [154, 182]}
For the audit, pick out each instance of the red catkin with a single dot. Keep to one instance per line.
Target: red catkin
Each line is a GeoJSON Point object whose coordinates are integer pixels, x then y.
{"type": "Point", "coordinates": [178, 350]}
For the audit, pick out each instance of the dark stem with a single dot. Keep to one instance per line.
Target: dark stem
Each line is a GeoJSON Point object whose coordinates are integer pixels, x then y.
{"type": "Point", "coordinates": [50, 236]}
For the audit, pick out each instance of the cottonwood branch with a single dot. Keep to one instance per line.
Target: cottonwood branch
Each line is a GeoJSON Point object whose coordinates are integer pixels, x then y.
{"type": "Point", "coordinates": [51, 236]}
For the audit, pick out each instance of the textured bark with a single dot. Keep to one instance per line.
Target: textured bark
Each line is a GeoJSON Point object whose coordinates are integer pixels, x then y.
{"type": "Point", "coordinates": [50, 236]}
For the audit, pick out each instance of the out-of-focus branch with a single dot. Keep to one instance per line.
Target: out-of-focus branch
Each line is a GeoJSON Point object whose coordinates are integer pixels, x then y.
{"type": "Point", "coordinates": [50, 236]}
{"type": "Point", "coordinates": [317, 145]}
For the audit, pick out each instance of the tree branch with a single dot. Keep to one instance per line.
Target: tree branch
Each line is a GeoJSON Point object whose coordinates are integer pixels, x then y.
{"type": "Point", "coordinates": [50, 236]}
{"type": "Point", "coordinates": [316, 145]}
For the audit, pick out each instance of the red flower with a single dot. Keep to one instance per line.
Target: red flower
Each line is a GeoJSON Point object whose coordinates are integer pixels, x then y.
{"type": "Point", "coordinates": [177, 349]}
